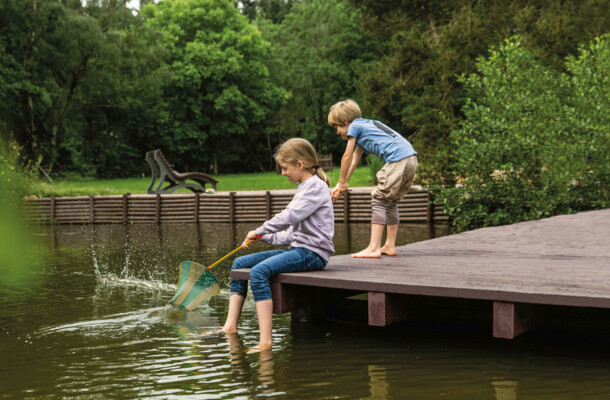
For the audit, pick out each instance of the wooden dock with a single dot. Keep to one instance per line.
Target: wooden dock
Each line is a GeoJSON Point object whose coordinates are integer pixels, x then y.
{"type": "Point", "coordinates": [563, 261]}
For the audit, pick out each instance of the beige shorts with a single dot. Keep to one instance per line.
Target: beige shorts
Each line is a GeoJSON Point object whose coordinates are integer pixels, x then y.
{"type": "Point", "coordinates": [395, 179]}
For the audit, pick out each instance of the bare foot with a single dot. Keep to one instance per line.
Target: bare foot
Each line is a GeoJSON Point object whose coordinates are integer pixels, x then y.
{"type": "Point", "coordinates": [388, 251]}
{"type": "Point", "coordinates": [367, 253]}
{"type": "Point", "coordinates": [226, 329]}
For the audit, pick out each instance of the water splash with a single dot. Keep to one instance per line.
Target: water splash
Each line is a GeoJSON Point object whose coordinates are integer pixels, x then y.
{"type": "Point", "coordinates": [124, 321]}
{"type": "Point", "coordinates": [112, 279]}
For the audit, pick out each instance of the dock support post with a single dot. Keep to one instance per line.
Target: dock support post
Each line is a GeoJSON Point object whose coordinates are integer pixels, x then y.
{"type": "Point", "coordinates": [196, 208]}
{"type": "Point", "coordinates": [231, 207]}
{"type": "Point", "coordinates": [386, 308]}
{"type": "Point", "coordinates": [282, 302]}
{"type": "Point", "coordinates": [268, 204]}
{"type": "Point", "coordinates": [288, 298]}
{"type": "Point", "coordinates": [158, 209]}
{"type": "Point", "coordinates": [511, 319]}
{"type": "Point", "coordinates": [52, 211]}
{"type": "Point", "coordinates": [125, 207]}
{"type": "Point", "coordinates": [91, 209]}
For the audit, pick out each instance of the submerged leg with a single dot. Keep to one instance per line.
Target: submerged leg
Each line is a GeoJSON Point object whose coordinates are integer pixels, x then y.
{"type": "Point", "coordinates": [264, 309]}
{"type": "Point", "coordinates": [236, 302]}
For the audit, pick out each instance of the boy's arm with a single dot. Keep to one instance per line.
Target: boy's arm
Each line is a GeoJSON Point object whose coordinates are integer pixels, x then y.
{"type": "Point", "coordinates": [349, 162]}
{"type": "Point", "coordinates": [355, 160]}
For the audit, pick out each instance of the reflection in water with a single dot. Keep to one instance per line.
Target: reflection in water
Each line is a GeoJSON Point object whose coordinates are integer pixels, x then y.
{"type": "Point", "coordinates": [242, 368]}
{"type": "Point", "coordinates": [505, 390]}
{"type": "Point", "coordinates": [378, 382]}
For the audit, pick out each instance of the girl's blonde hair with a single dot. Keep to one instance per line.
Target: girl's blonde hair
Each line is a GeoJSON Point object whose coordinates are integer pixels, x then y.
{"type": "Point", "coordinates": [343, 113]}
{"type": "Point", "coordinates": [298, 149]}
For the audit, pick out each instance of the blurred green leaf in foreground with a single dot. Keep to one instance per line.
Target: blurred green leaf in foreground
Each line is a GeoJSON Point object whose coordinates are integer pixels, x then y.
{"type": "Point", "coordinates": [20, 257]}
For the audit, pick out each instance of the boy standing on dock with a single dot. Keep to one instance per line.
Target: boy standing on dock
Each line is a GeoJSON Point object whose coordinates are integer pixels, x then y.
{"type": "Point", "coordinates": [394, 179]}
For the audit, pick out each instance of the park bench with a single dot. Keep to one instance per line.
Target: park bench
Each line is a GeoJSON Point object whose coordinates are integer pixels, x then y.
{"type": "Point", "coordinates": [162, 170]}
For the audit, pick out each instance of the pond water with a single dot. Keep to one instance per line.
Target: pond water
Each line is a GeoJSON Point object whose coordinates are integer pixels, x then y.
{"type": "Point", "coordinates": [87, 325]}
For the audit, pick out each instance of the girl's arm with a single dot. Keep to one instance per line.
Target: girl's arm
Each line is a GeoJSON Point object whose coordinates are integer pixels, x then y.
{"type": "Point", "coordinates": [303, 204]}
{"type": "Point", "coordinates": [282, 238]}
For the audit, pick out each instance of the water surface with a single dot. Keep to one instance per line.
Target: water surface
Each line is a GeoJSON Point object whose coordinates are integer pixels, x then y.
{"type": "Point", "coordinates": [88, 324]}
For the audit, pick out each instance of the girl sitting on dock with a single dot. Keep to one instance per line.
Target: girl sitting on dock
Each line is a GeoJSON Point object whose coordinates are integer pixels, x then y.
{"type": "Point", "coordinates": [306, 224]}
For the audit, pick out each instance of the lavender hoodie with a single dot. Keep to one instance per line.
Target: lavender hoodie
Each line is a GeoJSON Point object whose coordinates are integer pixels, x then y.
{"type": "Point", "coordinates": [307, 221]}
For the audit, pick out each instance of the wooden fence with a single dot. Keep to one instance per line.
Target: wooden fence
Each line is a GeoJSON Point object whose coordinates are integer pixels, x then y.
{"type": "Point", "coordinates": [220, 207]}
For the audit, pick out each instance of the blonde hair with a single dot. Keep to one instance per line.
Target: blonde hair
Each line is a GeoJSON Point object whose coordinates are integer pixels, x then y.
{"type": "Point", "coordinates": [298, 149]}
{"type": "Point", "coordinates": [343, 113]}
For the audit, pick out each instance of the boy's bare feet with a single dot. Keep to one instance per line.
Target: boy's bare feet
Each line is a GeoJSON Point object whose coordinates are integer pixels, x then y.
{"type": "Point", "coordinates": [367, 253]}
{"type": "Point", "coordinates": [388, 251]}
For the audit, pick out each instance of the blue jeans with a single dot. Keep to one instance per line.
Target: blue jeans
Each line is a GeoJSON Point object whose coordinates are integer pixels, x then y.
{"type": "Point", "coordinates": [269, 263]}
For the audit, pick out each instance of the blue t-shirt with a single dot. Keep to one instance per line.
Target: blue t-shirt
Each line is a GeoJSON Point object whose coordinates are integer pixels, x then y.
{"type": "Point", "coordinates": [373, 137]}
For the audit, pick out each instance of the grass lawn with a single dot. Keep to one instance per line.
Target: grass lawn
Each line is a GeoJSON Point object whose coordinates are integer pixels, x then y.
{"type": "Point", "coordinates": [229, 182]}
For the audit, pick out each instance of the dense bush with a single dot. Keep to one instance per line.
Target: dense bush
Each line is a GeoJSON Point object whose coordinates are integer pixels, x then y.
{"type": "Point", "coordinates": [534, 142]}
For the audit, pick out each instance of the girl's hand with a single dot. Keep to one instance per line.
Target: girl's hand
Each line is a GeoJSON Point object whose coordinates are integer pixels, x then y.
{"type": "Point", "coordinates": [251, 237]}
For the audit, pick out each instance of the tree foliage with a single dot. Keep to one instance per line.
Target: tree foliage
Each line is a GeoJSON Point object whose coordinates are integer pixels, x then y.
{"type": "Point", "coordinates": [528, 147]}
{"type": "Point", "coordinates": [218, 91]}
{"type": "Point", "coordinates": [76, 77]}
{"type": "Point", "coordinates": [217, 84]}
{"type": "Point", "coordinates": [320, 50]}
{"type": "Point", "coordinates": [427, 45]}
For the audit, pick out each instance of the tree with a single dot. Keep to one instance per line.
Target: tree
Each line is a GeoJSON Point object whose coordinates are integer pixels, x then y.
{"type": "Point", "coordinates": [219, 90]}
{"type": "Point", "coordinates": [319, 52]}
{"type": "Point", "coordinates": [67, 69]}
{"type": "Point", "coordinates": [272, 10]}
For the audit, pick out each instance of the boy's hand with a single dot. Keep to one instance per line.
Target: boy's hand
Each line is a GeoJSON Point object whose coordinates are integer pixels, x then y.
{"type": "Point", "coordinates": [251, 237]}
{"type": "Point", "coordinates": [338, 191]}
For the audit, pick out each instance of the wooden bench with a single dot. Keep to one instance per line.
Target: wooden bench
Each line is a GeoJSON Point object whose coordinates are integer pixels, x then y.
{"type": "Point", "coordinates": [162, 170]}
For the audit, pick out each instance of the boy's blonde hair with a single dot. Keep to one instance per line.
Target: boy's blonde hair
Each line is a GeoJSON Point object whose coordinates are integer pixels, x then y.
{"type": "Point", "coordinates": [298, 149]}
{"type": "Point", "coordinates": [343, 113]}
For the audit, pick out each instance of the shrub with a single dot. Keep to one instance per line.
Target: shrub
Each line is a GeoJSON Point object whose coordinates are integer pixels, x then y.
{"type": "Point", "coordinates": [374, 164]}
{"type": "Point", "coordinates": [527, 148]}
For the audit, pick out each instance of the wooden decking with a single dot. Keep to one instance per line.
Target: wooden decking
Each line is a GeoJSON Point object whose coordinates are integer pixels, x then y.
{"type": "Point", "coordinates": [560, 261]}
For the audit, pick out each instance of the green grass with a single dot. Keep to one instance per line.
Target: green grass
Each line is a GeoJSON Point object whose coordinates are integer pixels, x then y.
{"type": "Point", "coordinates": [228, 182]}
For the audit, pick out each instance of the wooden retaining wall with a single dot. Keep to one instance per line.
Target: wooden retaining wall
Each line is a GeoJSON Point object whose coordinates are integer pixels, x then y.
{"type": "Point", "coordinates": [230, 207]}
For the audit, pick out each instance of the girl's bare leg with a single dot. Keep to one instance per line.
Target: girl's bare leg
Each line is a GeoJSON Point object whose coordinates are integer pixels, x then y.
{"type": "Point", "coordinates": [236, 302]}
{"type": "Point", "coordinates": [264, 309]}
